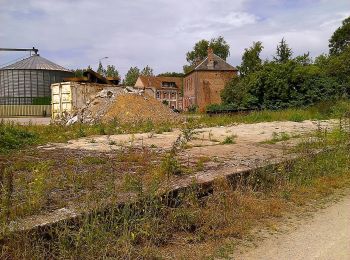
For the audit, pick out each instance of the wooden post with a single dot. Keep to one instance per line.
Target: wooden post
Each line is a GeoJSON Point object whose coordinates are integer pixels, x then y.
{"type": "Point", "coordinates": [2, 173]}
{"type": "Point", "coordinates": [2, 189]}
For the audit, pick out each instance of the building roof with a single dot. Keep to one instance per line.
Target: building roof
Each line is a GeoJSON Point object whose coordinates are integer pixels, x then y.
{"type": "Point", "coordinates": [35, 62]}
{"type": "Point", "coordinates": [216, 64]}
{"type": "Point", "coordinates": [156, 82]}
{"type": "Point", "coordinates": [219, 64]}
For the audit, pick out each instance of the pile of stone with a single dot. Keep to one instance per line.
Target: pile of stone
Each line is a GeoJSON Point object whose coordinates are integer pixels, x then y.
{"type": "Point", "coordinates": [124, 105]}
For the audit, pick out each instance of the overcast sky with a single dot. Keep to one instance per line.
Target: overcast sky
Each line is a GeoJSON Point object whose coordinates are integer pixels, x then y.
{"type": "Point", "coordinates": [77, 33]}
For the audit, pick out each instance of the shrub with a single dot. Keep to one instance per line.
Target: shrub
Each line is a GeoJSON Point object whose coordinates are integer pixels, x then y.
{"type": "Point", "coordinates": [229, 139]}
{"type": "Point", "coordinates": [283, 85]}
{"type": "Point", "coordinates": [193, 109]}
{"type": "Point", "coordinates": [13, 137]}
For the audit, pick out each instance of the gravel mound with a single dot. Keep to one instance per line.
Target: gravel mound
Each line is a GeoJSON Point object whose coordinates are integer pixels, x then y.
{"type": "Point", "coordinates": [125, 106]}
{"type": "Point", "coordinates": [133, 108]}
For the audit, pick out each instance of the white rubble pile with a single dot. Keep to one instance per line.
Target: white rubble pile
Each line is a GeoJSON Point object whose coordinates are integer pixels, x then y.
{"type": "Point", "coordinates": [97, 107]}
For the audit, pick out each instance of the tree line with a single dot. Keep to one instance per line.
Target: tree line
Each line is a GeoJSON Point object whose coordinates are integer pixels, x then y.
{"type": "Point", "coordinates": [287, 81]}
{"type": "Point", "coordinates": [282, 82]}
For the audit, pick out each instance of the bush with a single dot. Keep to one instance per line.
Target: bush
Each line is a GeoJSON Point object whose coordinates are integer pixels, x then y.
{"type": "Point", "coordinates": [13, 137]}
{"type": "Point", "coordinates": [193, 109]}
{"type": "Point", "coordinates": [229, 139]}
{"type": "Point", "coordinates": [283, 85]}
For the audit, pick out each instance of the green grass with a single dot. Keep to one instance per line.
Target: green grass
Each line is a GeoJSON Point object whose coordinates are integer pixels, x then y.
{"type": "Point", "coordinates": [93, 160]}
{"type": "Point", "coordinates": [322, 111]}
{"type": "Point", "coordinates": [15, 137]}
{"type": "Point", "coordinates": [280, 137]}
{"type": "Point", "coordinates": [151, 228]}
{"type": "Point", "coordinates": [229, 139]}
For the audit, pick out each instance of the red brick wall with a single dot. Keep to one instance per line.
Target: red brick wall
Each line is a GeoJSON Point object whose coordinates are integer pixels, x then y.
{"type": "Point", "coordinates": [203, 87]}
{"type": "Point", "coordinates": [189, 91]}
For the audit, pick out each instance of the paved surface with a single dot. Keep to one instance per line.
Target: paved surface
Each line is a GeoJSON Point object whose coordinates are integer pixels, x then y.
{"type": "Point", "coordinates": [28, 120]}
{"type": "Point", "coordinates": [324, 237]}
{"type": "Point", "coordinates": [247, 150]}
{"type": "Point", "coordinates": [211, 136]}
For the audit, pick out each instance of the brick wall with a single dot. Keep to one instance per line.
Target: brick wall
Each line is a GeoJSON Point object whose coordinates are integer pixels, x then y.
{"type": "Point", "coordinates": [202, 88]}
{"type": "Point", "coordinates": [189, 90]}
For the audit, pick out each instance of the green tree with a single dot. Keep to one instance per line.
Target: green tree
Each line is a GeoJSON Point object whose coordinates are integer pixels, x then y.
{"type": "Point", "coordinates": [282, 85]}
{"type": "Point", "coordinates": [340, 39]}
{"type": "Point", "coordinates": [78, 73]}
{"type": "Point", "coordinates": [304, 59]}
{"type": "Point", "coordinates": [187, 68]}
{"type": "Point", "coordinates": [101, 70]}
{"type": "Point", "coordinates": [131, 76]}
{"type": "Point", "coordinates": [171, 74]}
{"type": "Point", "coordinates": [283, 52]}
{"type": "Point", "coordinates": [111, 71]}
{"type": "Point", "coordinates": [235, 92]}
{"type": "Point", "coordinates": [322, 60]}
{"type": "Point", "coordinates": [200, 51]}
{"type": "Point", "coordinates": [147, 71]}
{"type": "Point", "coordinates": [338, 66]}
{"type": "Point", "coordinates": [251, 60]}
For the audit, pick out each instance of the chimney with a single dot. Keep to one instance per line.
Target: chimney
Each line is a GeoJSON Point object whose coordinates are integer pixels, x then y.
{"type": "Point", "coordinates": [210, 58]}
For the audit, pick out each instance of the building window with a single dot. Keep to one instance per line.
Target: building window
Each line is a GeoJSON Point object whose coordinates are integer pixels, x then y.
{"type": "Point", "coordinates": [168, 84]}
{"type": "Point", "coordinates": [158, 95]}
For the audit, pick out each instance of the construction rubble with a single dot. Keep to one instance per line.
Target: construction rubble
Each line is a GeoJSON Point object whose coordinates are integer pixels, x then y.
{"type": "Point", "coordinates": [123, 105]}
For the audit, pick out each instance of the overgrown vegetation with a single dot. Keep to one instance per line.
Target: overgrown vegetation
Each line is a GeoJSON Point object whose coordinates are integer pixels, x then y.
{"type": "Point", "coordinates": [150, 220]}
{"type": "Point", "coordinates": [229, 139]}
{"type": "Point", "coordinates": [14, 137]}
{"type": "Point", "coordinates": [278, 137]}
{"type": "Point", "coordinates": [149, 228]}
{"type": "Point", "coordinates": [289, 81]}
{"type": "Point", "coordinates": [320, 111]}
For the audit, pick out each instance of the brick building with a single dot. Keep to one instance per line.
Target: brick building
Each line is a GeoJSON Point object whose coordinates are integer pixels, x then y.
{"type": "Point", "coordinates": [165, 89]}
{"type": "Point", "coordinates": [202, 86]}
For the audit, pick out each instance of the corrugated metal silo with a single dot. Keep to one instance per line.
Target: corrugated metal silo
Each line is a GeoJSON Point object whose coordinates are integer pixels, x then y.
{"type": "Point", "coordinates": [28, 81]}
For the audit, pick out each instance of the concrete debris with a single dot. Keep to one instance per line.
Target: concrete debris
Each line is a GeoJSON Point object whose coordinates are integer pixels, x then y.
{"type": "Point", "coordinates": [124, 105]}
{"type": "Point", "coordinates": [73, 120]}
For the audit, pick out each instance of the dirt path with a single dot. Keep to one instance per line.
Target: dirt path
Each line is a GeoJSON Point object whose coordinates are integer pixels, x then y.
{"type": "Point", "coordinates": [324, 237]}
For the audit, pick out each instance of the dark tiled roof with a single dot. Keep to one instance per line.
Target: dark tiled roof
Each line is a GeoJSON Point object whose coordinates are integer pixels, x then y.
{"type": "Point", "coordinates": [34, 62]}
{"type": "Point", "coordinates": [156, 82]}
{"type": "Point", "coordinates": [219, 64]}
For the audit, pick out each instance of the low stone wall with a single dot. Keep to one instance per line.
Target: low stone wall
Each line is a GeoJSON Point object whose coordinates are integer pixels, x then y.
{"type": "Point", "coordinates": [25, 110]}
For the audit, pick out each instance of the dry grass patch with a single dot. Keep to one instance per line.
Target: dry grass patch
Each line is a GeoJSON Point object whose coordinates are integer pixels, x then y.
{"type": "Point", "coordinates": [178, 228]}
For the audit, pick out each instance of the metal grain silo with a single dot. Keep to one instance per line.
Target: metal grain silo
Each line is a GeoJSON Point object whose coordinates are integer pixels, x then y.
{"type": "Point", "coordinates": [28, 81]}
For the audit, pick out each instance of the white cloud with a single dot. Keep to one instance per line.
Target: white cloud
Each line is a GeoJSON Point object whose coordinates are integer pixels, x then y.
{"type": "Point", "coordinates": [339, 17]}
{"type": "Point", "coordinates": [76, 33]}
{"type": "Point", "coordinates": [238, 19]}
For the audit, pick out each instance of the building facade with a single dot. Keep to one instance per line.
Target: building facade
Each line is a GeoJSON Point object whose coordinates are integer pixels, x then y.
{"type": "Point", "coordinates": [164, 89]}
{"type": "Point", "coordinates": [203, 85]}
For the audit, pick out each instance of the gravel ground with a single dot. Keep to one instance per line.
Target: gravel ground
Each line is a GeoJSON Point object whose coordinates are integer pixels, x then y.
{"type": "Point", "coordinates": [326, 236]}
{"type": "Point", "coordinates": [27, 120]}
{"type": "Point", "coordinates": [247, 149]}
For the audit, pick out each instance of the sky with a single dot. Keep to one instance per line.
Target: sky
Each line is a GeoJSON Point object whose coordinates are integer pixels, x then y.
{"type": "Point", "coordinates": [158, 33]}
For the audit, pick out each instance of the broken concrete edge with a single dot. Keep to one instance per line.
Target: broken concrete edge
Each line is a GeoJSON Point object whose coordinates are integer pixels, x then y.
{"type": "Point", "coordinates": [202, 183]}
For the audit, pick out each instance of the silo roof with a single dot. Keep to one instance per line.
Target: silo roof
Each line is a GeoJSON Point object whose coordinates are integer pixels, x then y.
{"type": "Point", "coordinates": [34, 62]}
